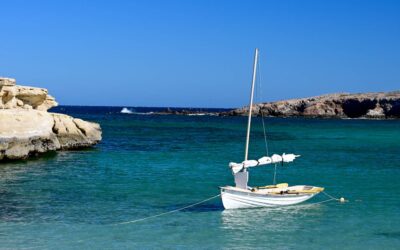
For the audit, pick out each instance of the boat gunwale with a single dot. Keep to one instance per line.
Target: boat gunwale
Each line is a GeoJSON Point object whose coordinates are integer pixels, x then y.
{"type": "Point", "coordinates": [233, 190]}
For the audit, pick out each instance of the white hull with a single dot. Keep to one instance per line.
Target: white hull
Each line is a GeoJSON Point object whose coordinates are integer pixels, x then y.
{"type": "Point", "coordinates": [233, 199]}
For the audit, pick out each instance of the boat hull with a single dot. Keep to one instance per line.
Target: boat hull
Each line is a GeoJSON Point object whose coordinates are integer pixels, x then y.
{"type": "Point", "coordinates": [233, 199]}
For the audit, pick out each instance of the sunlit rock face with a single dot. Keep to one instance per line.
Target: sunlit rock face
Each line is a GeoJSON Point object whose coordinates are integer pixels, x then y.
{"type": "Point", "coordinates": [26, 128]}
{"type": "Point", "coordinates": [368, 105]}
{"type": "Point", "coordinates": [14, 96]}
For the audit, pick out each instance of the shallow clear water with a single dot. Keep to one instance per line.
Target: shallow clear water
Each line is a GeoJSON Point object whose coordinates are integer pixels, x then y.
{"type": "Point", "coordinates": [152, 164]}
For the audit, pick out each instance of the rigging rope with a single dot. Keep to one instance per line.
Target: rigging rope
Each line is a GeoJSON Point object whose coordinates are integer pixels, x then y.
{"type": "Point", "coordinates": [259, 95]}
{"type": "Point", "coordinates": [259, 100]}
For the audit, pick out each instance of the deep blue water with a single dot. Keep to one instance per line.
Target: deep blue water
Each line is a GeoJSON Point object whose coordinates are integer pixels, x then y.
{"type": "Point", "coordinates": [149, 164]}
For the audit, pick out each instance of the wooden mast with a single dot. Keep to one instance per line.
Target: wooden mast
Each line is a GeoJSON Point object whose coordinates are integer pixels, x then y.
{"type": "Point", "coordinates": [246, 154]}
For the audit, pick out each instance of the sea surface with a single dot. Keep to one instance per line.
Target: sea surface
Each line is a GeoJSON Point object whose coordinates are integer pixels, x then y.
{"type": "Point", "coordinates": [151, 164]}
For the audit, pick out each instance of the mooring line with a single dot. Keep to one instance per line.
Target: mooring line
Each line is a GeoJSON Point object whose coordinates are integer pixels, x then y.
{"type": "Point", "coordinates": [332, 198]}
{"type": "Point", "coordinates": [172, 211]}
{"type": "Point", "coordinates": [213, 197]}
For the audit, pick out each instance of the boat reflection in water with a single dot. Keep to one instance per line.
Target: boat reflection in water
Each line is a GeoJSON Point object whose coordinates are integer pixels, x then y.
{"type": "Point", "coordinates": [284, 219]}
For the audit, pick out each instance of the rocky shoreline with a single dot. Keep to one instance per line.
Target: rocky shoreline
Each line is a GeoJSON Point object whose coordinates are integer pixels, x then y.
{"type": "Point", "coordinates": [26, 128]}
{"type": "Point", "coordinates": [344, 105]}
{"type": "Point", "coordinates": [188, 112]}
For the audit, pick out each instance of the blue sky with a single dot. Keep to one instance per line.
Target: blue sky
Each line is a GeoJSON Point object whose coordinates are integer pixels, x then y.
{"type": "Point", "coordinates": [199, 53]}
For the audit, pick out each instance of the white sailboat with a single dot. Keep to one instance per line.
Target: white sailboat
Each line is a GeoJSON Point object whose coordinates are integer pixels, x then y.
{"type": "Point", "coordinates": [243, 196]}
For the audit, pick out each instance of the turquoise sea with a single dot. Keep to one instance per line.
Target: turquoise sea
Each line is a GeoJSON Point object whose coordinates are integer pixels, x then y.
{"type": "Point", "coordinates": [150, 164]}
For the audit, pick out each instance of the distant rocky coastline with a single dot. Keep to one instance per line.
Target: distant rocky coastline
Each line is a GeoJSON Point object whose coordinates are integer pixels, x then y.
{"type": "Point", "coordinates": [189, 112]}
{"type": "Point", "coordinates": [26, 128]}
{"type": "Point", "coordinates": [344, 105]}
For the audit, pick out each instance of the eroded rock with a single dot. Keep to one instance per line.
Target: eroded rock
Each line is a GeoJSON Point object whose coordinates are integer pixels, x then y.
{"type": "Point", "coordinates": [15, 96]}
{"type": "Point", "coordinates": [26, 128]}
{"type": "Point", "coordinates": [343, 105]}
{"type": "Point", "coordinates": [75, 133]}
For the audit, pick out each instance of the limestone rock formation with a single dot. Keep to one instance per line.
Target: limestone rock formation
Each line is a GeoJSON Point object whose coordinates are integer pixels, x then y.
{"type": "Point", "coordinates": [26, 128]}
{"type": "Point", "coordinates": [14, 96]}
{"type": "Point", "coordinates": [369, 105]}
{"type": "Point", "coordinates": [75, 133]}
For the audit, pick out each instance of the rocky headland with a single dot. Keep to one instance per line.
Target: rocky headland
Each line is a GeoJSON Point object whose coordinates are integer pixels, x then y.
{"type": "Point", "coordinates": [344, 105]}
{"type": "Point", "coordinates": [26, 128]}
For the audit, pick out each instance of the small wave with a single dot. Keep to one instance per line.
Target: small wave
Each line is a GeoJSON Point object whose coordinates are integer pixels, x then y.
{"type": "Point", "coordinates": [126, 111]}
{"type": "Point", "coordinates": [129, 111]}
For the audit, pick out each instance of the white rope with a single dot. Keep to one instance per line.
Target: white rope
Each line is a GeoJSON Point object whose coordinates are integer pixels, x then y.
{"type": "Point", "coordinates": [259, 96]}
{"type": "Point", "coordinates": [200, 202]}
{"type": "Point", "coordinates": [317, 203]}
{"type": "Point", "coordinates": [172, 211]}
{"type": "Point", "coordinates": [330, 196]}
